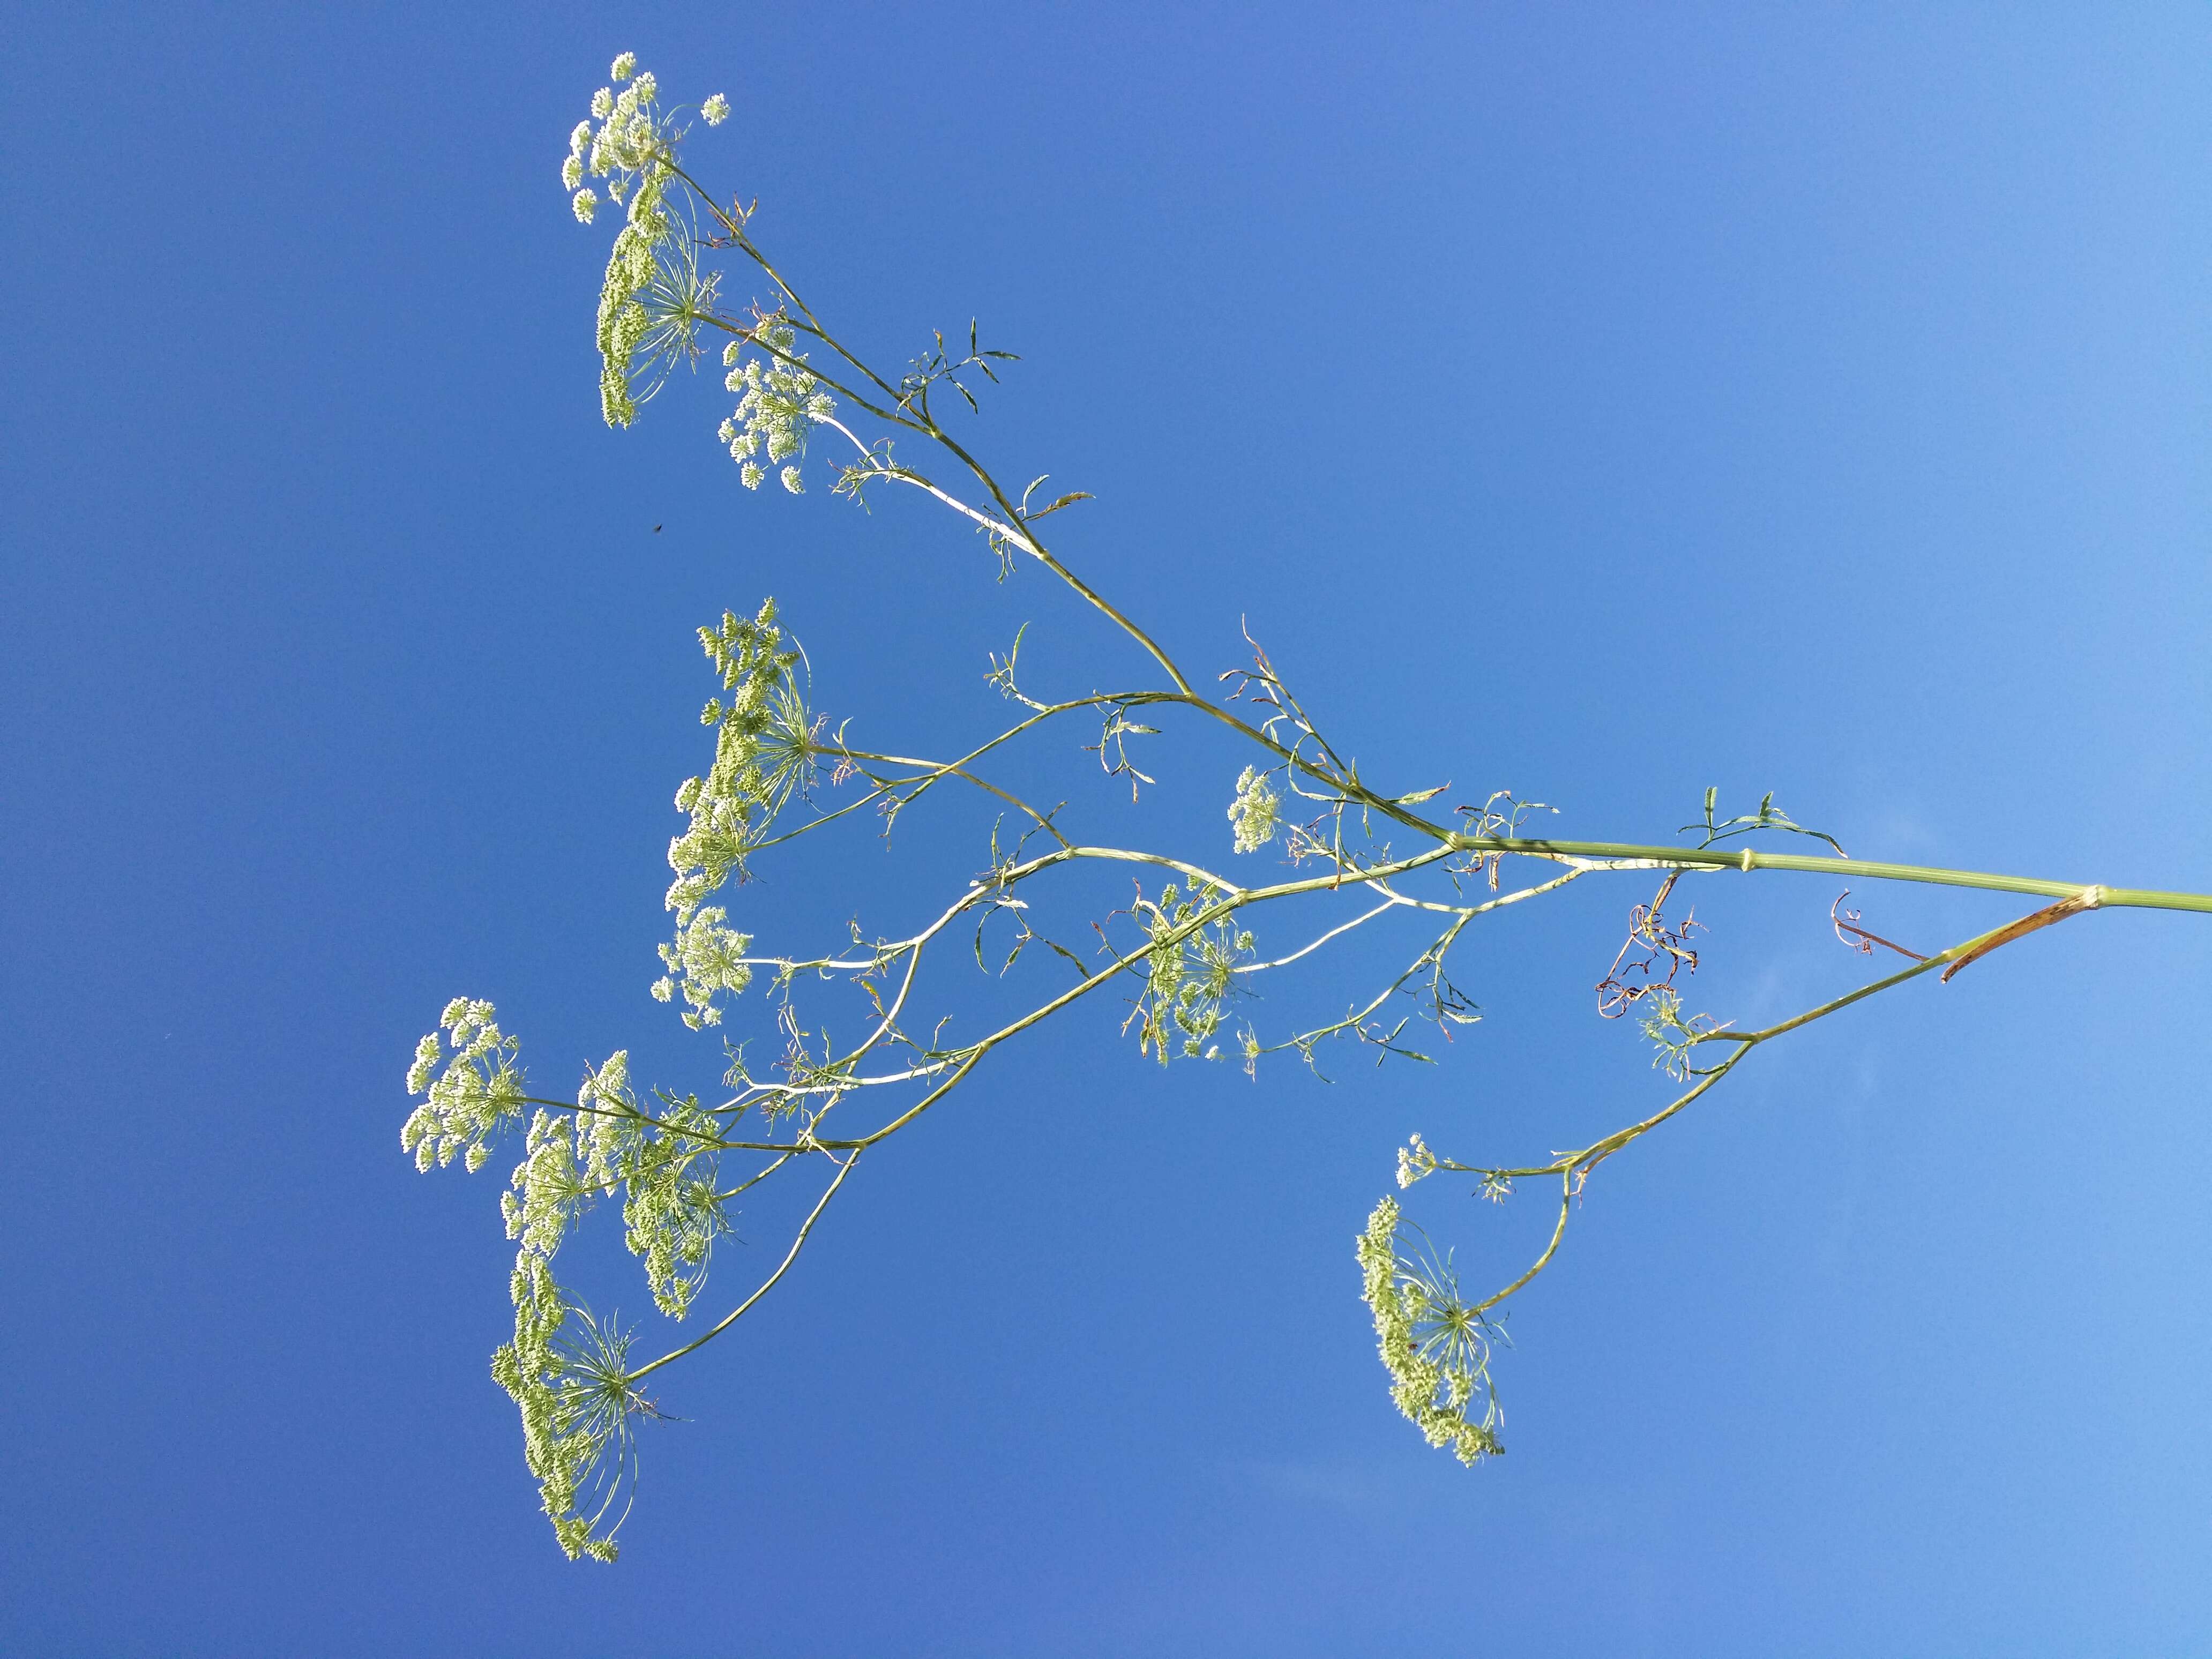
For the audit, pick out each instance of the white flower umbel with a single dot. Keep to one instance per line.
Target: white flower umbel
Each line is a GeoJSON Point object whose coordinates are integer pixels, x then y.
{"type": "Point", "coordinates": [479, 1093]}
{"type": "Point", "coordinates": [1415, 1162]}
{"type": "Point", "coordinates": [1252, 815]}
{"type": "Point", "coordinates": [665, 1166]}
{"type": "Point", "coordinates": [706, 958]}
{"type": "Point", "coordinates": [762, 746]}
{"type": "Point", "coordinates": [569, 1376]}
{"type": "Point", "coordinates": [654, 294]}
{"type": "Point", "coordinates": [1434, 1346]}
{"type": "Point", "coordinates": [779, 400]}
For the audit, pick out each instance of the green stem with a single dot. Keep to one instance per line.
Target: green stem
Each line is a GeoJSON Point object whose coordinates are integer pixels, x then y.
{"type": "Point", "coordinates": [1748, 859]}
{"type": "Point", "coordinates": [767, 1284]}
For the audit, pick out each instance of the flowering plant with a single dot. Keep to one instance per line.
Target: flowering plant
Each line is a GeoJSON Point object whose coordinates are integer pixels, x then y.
{"type": "Point", "coordinates": [1186, 951]}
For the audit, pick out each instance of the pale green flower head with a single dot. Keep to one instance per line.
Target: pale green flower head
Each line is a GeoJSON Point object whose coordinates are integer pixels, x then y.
{"type": "Point", "coordinates": [763, 748]}
{"type": "Point", "coordinates": [549, 1192]}
{"type": "Point", "coordinates": [610, 1123]}
{"type": "Point", "coordinates": [623, 67]}
{"type": "Point", "coordinates": [655, 293]}
{"type": "Point", "coordinates": [567, 1372]}
{"type": "Point", "coordinates": [1188, 979]}
{"type": "Point", "coordinates": [672, 1214]}
{"type": "Point", "coordinates": [1435, 1345]}
{"type": "Point", "coordinates": [706, 959]}
{"type": "Point", "coordinates": [1252, 815]}
{"type": "Point", "coordinates": [667, 1166]}
{"type": "Point", "coordinates": [716, 110]}
{"type": "Point", "coordinates": [625, 321]}
{"type": "Point", "coordinates": [478, 1094]}
{"type": "Point", "coordinates": [568, 1375]}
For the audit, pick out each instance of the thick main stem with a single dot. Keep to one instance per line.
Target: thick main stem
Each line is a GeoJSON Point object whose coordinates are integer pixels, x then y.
{"type": "Point", "coordinates": [1749, 858]}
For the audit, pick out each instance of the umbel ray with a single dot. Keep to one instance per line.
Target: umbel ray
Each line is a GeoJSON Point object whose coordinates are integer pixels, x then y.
{"type": "Point", "coordinates": [1182, 955]}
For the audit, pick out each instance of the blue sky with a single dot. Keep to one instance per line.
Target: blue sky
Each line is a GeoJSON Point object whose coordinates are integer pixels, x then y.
{"type": "Point", "coordinates": [1595, 402]}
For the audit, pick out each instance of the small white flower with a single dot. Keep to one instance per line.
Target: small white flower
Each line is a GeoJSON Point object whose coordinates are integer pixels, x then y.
{"type": "Point", "coordinates": [571, 172]}
{"type": "Point", "coordinates": [580, 137]}
{"type": "Point", "coordinates": [585, 203]}
{"type": "Point", "coordinates": [624, 66]}
{"type": "Point", "coordinates": [791, 481]}
{"type": "Point", "coordinates": [749, 474]}
{"type": "Point", "coordinates": [602, 103]}
{"type": "Point", "coordinates": [646, 87]}
{"type": "Point", "coordinates": [716, 110]}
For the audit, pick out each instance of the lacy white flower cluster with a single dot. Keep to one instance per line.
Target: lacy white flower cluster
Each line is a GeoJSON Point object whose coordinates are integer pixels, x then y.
{"type": "Point", "coordinates": [627, 142]}
{"type": "Point", "coordinates": [666, 1165]}
{"type": "Point", "coordinates": [630, 139]}
{"type": "Point", "coordinates": [1434, 1345]}
{"type": "Point", "coordinates": [565, 1371]}
{"type": "Point", "coordinates": [760, 749]}
{"type": "Point", "coordinates": [779, 398]}
{"type": "Point", "coordinates": [478, 1094]}
{"type": "Point", "coordinates": [532, 1368]}
{"type": "Point", "coordinates": [706, 958]}
{"type": "Point", "coordinates": [633, 147]}
{"type": "Point", "coordinates": [1415, 1162]}
{"type": "Point", "coordinates": [1252, 815]}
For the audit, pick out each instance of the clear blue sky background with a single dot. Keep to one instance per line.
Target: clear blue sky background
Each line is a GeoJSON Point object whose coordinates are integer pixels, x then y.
{"type": "Point", "coordinates": [1599, 401]}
